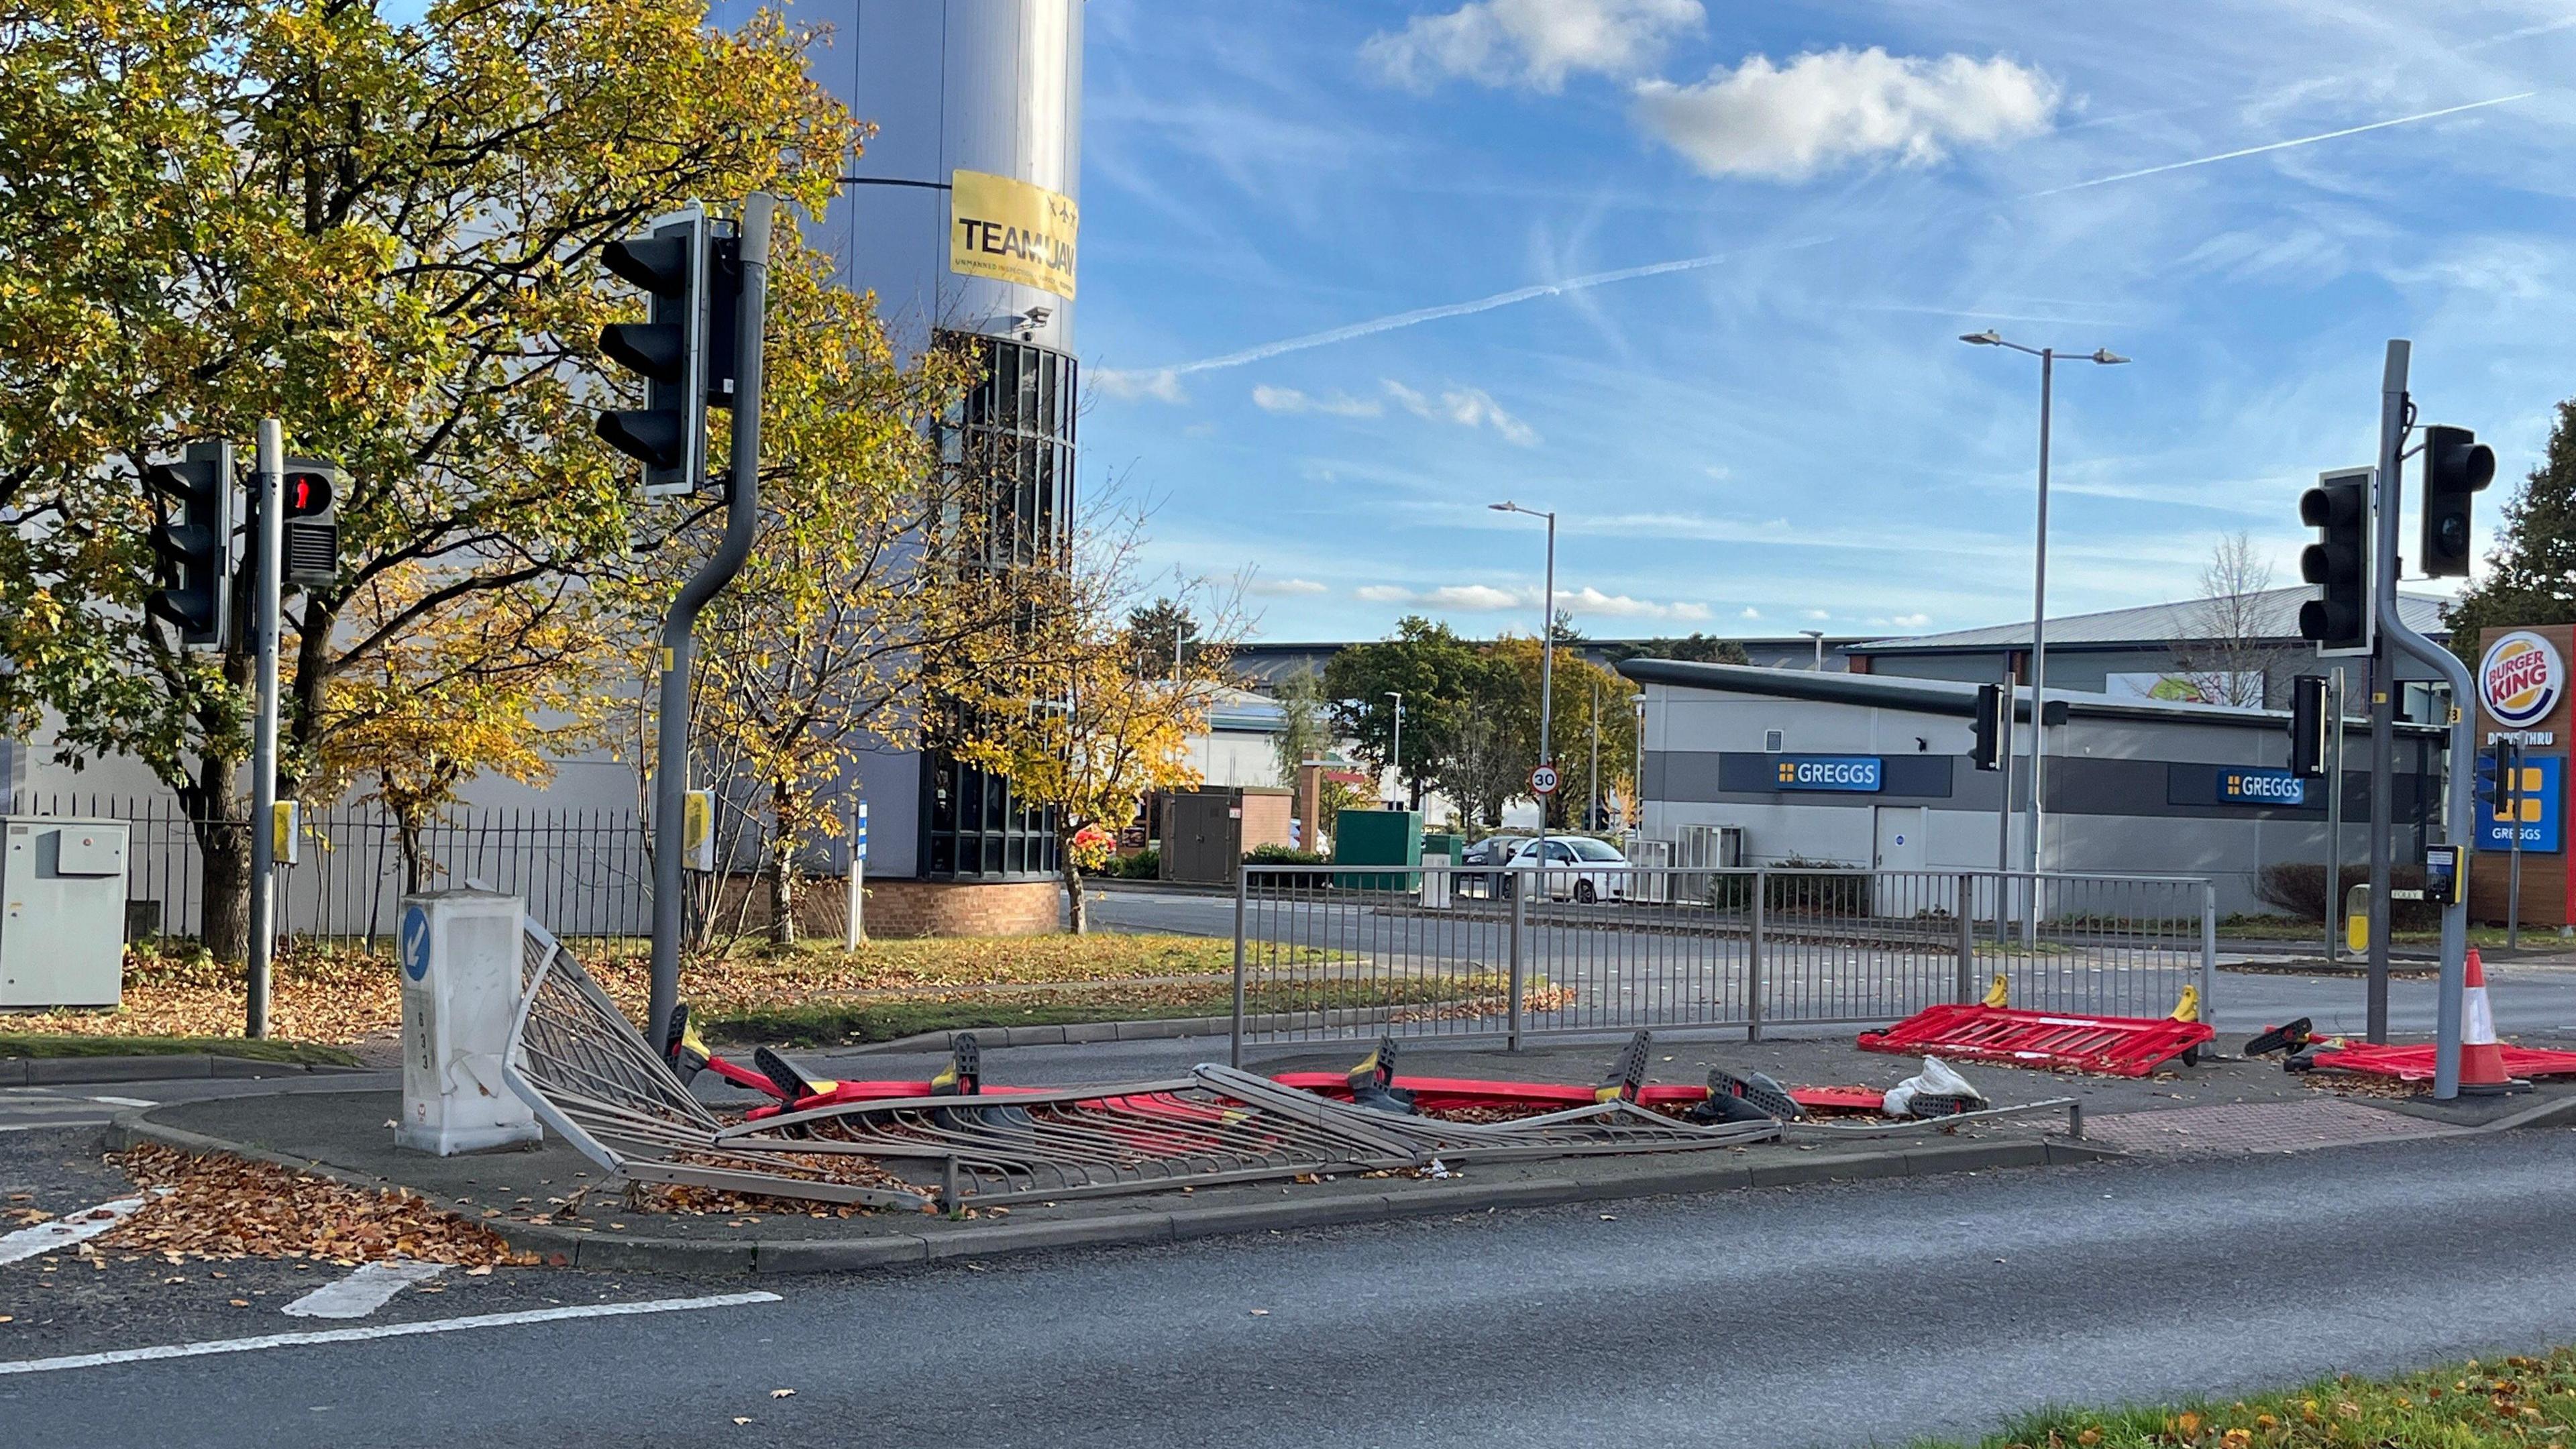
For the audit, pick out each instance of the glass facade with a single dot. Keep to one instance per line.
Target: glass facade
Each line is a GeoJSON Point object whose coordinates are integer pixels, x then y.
{"type": "Point", "coordinates": [1011, 443]}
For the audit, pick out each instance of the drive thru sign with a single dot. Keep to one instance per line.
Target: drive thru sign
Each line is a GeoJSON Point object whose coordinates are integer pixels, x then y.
{"type": "Point", "coordinates": [1543, 780]}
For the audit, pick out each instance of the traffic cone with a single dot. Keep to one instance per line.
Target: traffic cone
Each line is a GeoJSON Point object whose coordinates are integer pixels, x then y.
{"type": "Point", "coordinates": [2481, 1057]}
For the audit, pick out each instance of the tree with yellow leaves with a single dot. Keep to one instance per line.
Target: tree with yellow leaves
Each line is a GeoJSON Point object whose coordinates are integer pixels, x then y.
{"type": "Point", "coordinates": [1077, 723]}
{"type": "Point", "coordinates": [385, 231]}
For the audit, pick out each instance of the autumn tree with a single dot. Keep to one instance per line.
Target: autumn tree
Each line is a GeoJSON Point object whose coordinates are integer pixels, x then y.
{"type": "Point", "coordinates": [1162, 630]}
{"type": "Point", "coordinates": [2233, 655]}
{"type": "Point", "coordinates": [2529, 577]}
{"type": "Point", "coordinates": [1305, 723]}
{"type": "Point", "coordinates": [385, 232]}
{"type": "Point", "coordinates": [1513, 701]}
{"type": "Point", "coordinates": [1072, 724]}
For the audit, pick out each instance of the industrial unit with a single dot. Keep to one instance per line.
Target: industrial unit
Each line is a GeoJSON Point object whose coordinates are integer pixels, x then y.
{"type": "Point", "coordinates": [1874, 772]}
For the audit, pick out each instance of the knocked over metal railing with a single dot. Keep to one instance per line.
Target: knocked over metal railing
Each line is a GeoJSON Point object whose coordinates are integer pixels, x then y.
{"type": "Point", "coordinates": [587, 1073]}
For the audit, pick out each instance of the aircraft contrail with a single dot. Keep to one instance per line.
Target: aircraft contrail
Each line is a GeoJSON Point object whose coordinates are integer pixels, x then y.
{"type": "Point", "coordinates": [1420, 315]}
{"type": "Point", "coordinates": [1394, 320]}
{"type": "Point", "coordinates": [2278, 145]}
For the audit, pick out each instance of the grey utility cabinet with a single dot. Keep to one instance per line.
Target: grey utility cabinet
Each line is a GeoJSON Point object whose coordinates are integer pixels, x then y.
{"type": "Point", "coordinates": [62, 911]}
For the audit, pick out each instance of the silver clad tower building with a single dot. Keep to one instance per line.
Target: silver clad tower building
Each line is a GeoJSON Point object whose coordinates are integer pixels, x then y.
{"type": "Point", "coordinates": [962, 216]}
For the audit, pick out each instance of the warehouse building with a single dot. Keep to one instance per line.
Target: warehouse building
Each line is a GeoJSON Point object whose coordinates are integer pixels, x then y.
{"type": "Point", "coordinates": [1770, 767]}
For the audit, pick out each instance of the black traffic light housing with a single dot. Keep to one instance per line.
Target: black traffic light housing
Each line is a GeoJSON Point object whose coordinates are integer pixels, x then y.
{"type": "Point", "coordinates": [669, 433]}
{"type": "Point", "coordinates": [310, 527]}
{"type": "Point", "coordinates": [2457, 467]}
{"type": "Point", "coordinates": [2499, 782]}
{"type": "Point", "coordinates": [1994, 713]}
{"type": "Point", "coordinates": [2308, 726]}
{"type": "Point", "coordinates": [192, 543]}
{"type": "Point", "coordinates": [2338, 619]}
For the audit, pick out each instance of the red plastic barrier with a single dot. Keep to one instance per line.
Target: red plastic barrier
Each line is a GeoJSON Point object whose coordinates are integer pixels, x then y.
{"type": "Point", "coordinates": [1442, 1094]}
{"type": "Point", "coordinates": [2115, 1046]}
{"type": "Point", "coordinates": [2415, 1063]}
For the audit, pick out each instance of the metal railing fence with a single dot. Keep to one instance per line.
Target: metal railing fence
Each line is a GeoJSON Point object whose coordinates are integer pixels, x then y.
{"type": "Point", "coordinates": [1326, 953]}
{"type": "Point", "coordinates": [585, 872]}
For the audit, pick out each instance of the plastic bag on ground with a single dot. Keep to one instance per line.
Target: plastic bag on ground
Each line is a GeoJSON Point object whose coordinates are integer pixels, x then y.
{"type": "Point", "coordinates": [1936, 1091]}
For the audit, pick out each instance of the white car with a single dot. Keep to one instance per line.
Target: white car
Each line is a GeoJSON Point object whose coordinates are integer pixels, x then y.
{"type": "Point", "coordinates": [1578, 868]}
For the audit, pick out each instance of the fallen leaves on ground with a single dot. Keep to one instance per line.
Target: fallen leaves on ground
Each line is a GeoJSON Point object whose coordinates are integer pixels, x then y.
{"type": "Point", "coordinates": [339, 992]}
{"type": "Point", "coordinates": [227, 1207]}
{"type": "Point", "coordinates": [687, 1199]}
{"type": "Point", "coordinates": [2513, 1403]}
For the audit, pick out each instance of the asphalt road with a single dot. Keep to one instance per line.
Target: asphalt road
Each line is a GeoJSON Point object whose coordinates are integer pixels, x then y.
{"type": "Point", "coordinates": [1837, 1316]}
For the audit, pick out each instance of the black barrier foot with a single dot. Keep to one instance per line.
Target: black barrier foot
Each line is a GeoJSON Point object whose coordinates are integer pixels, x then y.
{"type": "Point", "coordinates": [2290, 1036]}
{"type": "Point", "coordinates": [1372, 1082]}
{"type": "Point", "coordinates": [964, 1074]}
{"type": "Point", "coordinates": [1628, 1074]}
{"type": "Point", "coordinates": [681, 1050]}
{"type": "Point", "coordinates": [787, 1079]}
{"type": "Point", "coordinates": [1766, 1096]}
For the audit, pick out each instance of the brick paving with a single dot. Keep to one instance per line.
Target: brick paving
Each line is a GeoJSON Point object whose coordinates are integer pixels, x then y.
{"type": "Point", "coordinates": [2245, 1128]}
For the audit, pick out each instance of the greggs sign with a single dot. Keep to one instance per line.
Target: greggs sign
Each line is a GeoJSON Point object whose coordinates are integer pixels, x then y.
{"type": "Point", "coordinates": [2521, 679]}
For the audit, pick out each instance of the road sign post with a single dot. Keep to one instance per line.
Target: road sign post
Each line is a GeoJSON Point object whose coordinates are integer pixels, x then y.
{"type": "Point", "coordinates": [1543, 782]}
{"type": "Point", "coordinates": [268, 490]}
{"type": "Point", "coordinates": [855, 933]}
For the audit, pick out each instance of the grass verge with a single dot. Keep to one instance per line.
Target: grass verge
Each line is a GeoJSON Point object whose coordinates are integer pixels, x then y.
{"type": "Point", "coordinates": [858, 1021]}
{"type": "Point", "coordinates": [18, 1044]}
{"type": "Point", "coordinates": [2509, 1403]}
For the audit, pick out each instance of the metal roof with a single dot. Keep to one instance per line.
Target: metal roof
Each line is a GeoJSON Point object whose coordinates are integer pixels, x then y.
{"type": "Point", "coordinates": [2274, 611]}
{"type": "Point", "coordinates": [1952, 697]}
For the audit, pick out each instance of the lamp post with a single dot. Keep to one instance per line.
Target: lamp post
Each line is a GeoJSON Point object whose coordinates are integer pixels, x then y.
{"type": "Point", "coordinates": [1546, 669]}
{"type": "Point", "coordinates": [1817, 635]}
{"type": "Point", "coordinates": [1396, 762]}
{"type": "Point", "coordinates": [2039, 582]}
{"type": "Point", "coordinates": [1637, 761]}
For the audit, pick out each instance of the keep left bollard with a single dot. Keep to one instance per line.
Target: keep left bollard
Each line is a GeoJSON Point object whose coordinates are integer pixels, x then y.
{"type": "Point", "coordinates": [460, 954]}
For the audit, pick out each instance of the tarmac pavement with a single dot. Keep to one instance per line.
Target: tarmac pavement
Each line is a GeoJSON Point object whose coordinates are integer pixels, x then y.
{"type": "Point", "coordinates": [1843, 1315]}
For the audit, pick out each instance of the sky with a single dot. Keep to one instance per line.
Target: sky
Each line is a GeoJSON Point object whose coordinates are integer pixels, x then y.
{"type": "Point", "coordinates": [1692, 274]}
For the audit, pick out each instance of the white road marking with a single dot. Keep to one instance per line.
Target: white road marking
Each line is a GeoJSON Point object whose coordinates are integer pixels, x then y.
{"type": "Point", "coordinates": [126, 1101]}
{"type": "Point", "coordinates": [57, 1125]}
{"type": "Point", "coordinates": [65, 1231]}
{"type": "Point", "coordinates": [381, 1330]}
{"type": "Point", "coordinates": [371, 1287]}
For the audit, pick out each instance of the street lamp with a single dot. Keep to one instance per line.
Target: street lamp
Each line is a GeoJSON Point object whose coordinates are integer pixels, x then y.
{"type": "Point", "coordinates": [1546, 668]}
{"type": "Point", "coordinates": [1637, 760]}
{"type": "Point", "coordinates": [1819, 636]}
{"type": "Point", "coordinates": [1397, 762]}
{"type": "Point", "coordinates": [2039, 580]}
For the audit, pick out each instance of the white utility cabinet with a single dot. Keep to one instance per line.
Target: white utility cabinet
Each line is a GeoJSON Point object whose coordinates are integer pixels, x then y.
{"type": "Point", "coordinates": [62, 911]}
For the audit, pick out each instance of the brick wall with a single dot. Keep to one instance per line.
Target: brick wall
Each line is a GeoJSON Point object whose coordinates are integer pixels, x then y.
{"type": "Point", "coordinates": [943, 908]}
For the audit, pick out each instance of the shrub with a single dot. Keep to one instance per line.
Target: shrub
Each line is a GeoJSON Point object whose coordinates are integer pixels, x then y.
{"type": "Point", "coordinates": [1284, 855]}
{"type": "Point", "coordinates": [2298, 888]}
{"type": "Point", "coordinates": [1146, 864]}
{"type": "Point", "coordinates": [1798, 886]}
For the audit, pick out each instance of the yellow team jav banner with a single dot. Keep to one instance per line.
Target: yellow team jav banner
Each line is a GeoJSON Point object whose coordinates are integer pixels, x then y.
{"type": "Point", "coordinates": [1011, 231]}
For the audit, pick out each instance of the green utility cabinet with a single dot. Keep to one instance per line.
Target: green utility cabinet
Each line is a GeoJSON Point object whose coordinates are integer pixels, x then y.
{"type": "Point", "coordinates": [1448, 843]}
{"type": "Point", "coordinates": [1377, 837]}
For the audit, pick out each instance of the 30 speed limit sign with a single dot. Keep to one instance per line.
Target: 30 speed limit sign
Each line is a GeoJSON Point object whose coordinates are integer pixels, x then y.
{"type": "Point", "coordinates": [1543, 780]}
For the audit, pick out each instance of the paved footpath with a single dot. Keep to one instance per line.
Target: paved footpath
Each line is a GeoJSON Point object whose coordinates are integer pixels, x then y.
{"type": "Point", "coordinates": [1826, 1316]}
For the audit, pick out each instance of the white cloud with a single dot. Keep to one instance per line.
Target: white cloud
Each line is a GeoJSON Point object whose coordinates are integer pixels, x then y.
{"type": "Point", "coordinates": [1480, 598]}
{"type": "Point", "coordinates": [1468, 407]}
{"type": "Point", "coordinates": [1383, 594]}
{"type": "Point", "coordinates": [1291, 400]}
{"type": "Point", "coordinates": [1593, 602]}
{"type": "Point", "coordinates": [1818, 615]}
{"type": "Point", "coordinates": [1531, 42]}
{"type": "Point", "coordinates": [1718, 471]}
{"type": "Point", "coordinates": [1828, 107]}
{"type": "Point", "coordinates": [1161, 384]}
{"type": "Point", "coordinates": [1284, 588]}
{"type": "Point", "coordinates": [1750, 612]}
{"type": "Point", "coordinates": [1911, 621]}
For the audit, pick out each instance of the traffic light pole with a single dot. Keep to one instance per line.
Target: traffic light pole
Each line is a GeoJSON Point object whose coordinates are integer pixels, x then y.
{"type": "Point", "coordinates": [268, 511]}
{"type": "Point", "coordinates": [2383, 703]}
{"type": "Point", "coordinates": [742, 511]}
{"type": "Point", "coordinates": [2460, 801]}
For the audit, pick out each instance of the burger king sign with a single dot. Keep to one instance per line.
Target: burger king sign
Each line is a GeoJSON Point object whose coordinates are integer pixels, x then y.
{"type": "Point", "coordinates": [2521, 680]}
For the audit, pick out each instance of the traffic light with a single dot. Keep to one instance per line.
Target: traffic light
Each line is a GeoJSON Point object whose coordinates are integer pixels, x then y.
{"type": "Point", "coordinates": [2457, 467]}
{"type": "Point", "coordinates": [192, 540]}
{"type": "Point", "coordinates": [2500, 783]}
{"type": "Point", "coordinates": [669, 433]}
{"type": "Point", "coordinates": [2308, 726]}
{"type": "Point", "coordinates": [311, 526]}
{"type": "Point", "coordinates": [1993, 721]}
{"type": "Point", "coordinates": [2338, 619]}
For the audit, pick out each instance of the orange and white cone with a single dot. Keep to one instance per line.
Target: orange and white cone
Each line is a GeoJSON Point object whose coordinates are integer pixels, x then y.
{"type": "Point", "coordinates": [2481, 1057]}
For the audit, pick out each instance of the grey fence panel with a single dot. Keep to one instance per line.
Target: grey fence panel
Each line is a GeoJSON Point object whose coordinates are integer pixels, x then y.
{"type": "Point", "coordinates": [1338, 954]}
